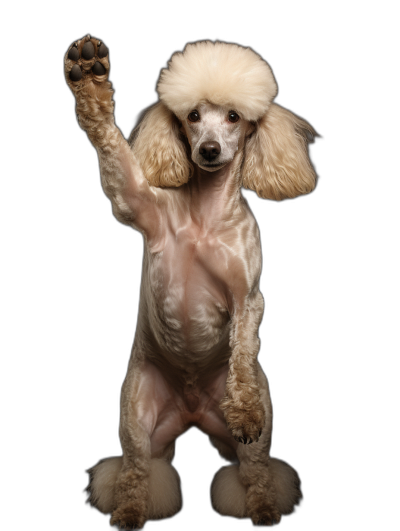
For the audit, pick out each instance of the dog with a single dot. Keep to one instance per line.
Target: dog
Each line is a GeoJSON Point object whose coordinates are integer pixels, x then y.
{"type": "Point", "coordinates": [178, 181]}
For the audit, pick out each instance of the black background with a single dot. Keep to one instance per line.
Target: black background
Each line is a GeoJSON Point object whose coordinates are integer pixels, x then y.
{"type": "Point", "coordinates": [86, 266]}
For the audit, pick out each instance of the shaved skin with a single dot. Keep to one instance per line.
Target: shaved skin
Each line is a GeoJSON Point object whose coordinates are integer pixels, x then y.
{"type": "Point", "coordinates": [183, 376]}
{"type": "Point", "coordinates": [194, 355]}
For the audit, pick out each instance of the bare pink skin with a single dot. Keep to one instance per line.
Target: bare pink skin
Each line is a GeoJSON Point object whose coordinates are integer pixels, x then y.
{"type": "Point", "coordinates": [192, 259]}
{"type": "Point", "coordinates": [172, 412]}
{"type": "Point", "coordinates": [194, 358]}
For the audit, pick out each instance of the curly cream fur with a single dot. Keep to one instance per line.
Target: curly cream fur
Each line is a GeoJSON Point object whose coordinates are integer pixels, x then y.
{"type": "Point", "coordinates": [103, 478]}
{"type": "Point", "coordinates": [164, 487]}
{"type": "Point", "coordinates": [219, 73]}
{"type": "Point", "coordinates": [194, 358]}
{"type": "Point", "coordinates": [228, 494]}
{"type": "Point", "coordinates": [276, 163]}
{"type": "Point", "coordinates": [159, 148]}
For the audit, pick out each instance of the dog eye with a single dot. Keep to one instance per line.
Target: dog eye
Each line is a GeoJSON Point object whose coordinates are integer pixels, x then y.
{"type": "Point", "coordinates": [233, 117]}
{"type": "Point", "coordinates": [194, 116]}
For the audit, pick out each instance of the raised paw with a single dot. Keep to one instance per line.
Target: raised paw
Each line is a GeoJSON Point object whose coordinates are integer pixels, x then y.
{"type": "Point", "coordinates": [86, 61]}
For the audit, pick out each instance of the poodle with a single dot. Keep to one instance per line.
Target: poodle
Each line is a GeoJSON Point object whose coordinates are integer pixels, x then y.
{"type": "Point", "coordinates": [194, 357]}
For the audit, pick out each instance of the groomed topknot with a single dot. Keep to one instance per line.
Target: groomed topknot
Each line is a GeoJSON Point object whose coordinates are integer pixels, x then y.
{"type": "Point", "coordinates": [219, 73]}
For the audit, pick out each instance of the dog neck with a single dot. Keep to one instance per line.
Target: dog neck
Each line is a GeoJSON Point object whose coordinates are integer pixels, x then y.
{"type": "Point", "coordinates": [215, 196]}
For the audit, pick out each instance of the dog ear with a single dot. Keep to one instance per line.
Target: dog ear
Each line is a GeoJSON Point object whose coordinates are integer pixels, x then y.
{"type": "Point", "coordinates": [158, 145]}
{"type": "Point", "coordinates": [276, 164]}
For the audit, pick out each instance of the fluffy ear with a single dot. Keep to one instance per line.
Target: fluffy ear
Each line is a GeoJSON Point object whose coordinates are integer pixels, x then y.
{"type": "Point", "coordinates": [158, 145]}
{"type": "Point", "coordinates": [277, 165]}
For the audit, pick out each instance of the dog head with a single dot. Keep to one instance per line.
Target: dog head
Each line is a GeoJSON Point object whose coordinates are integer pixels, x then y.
{"type": "Point", "coordinates": [217, 98]}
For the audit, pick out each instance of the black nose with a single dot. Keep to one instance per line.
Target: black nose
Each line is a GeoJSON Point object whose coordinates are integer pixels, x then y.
{"type": "Point", "coordinates": [210, 150]}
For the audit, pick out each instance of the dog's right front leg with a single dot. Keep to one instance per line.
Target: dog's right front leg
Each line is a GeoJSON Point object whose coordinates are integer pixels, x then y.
{"type": "Point", "coordinates": [86, 67]}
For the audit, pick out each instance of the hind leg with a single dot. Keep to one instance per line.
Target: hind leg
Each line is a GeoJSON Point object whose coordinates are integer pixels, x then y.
{"type": "Point", "coordinates": [259, 487]}
{"type": "Point", "coordinates": [142, 484]}
{"type": "Point", "coordinates": [164, 497]}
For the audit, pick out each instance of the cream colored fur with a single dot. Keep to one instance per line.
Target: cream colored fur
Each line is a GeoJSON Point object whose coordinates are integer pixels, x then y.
{"type": "Point", "coordinates": [228, 495]}
{"type": "Point", "coordinates": [194, 357]}
{"type": "Point", "coordinates": [164, 494]}
{"type": "Point", "coordinates": [276, 163]}
{"type": "Point", "coordinates": [219, 73]}
{"type": "Point", "coordinates": [287, 485]}
{"type": "Point", "coordinates": [160, 149]}
{"type": "Point", "coordinates": [164, 490]}
{"type": "Point", "coordinates": [103, 478]}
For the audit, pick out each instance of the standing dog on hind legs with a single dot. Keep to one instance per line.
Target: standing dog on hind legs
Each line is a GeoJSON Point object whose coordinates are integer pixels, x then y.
{"type": "Point", "coordinates": [194, 357]}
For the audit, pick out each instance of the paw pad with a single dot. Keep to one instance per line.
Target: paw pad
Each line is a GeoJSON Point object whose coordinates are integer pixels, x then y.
{"type": "Point", "coordinates": [98, 69]}
{"type": "Point", "coordinates": [88, 50]}
{"type": "Point", "coordinates": [75, 74]}
{"type": "Point", "coordinates": [102, 50]}
{"type": "Point", "coordinates": [73, 54]}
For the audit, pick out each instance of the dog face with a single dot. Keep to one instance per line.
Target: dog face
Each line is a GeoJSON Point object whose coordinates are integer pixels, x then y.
{"type": "Point", "coordinates": [215, 133]}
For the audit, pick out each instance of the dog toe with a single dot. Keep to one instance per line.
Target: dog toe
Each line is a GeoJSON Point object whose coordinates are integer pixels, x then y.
{"type": "Point", "coordinates": [102, 50]}
{"type": "Point", "coordinates": [73, 54]}
{"type": "Point", "coordinates": [98, 69]}
{"type": "Point", "coordinates": [88, 51]}
{"type": "Point", "coordinates": [75, 73]}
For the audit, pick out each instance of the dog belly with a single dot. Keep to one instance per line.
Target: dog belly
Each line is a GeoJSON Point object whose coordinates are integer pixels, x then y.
{"type": "Point", "coordinates": [188, 325]}
{"type": "Point", "coordinates": [187, 306]}
{"type": "Point", "coordinates": [199, 323]}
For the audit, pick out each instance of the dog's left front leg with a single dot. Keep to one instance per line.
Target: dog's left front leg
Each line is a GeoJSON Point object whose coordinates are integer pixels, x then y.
{"type": "Point", "coordinates": [242, 404]}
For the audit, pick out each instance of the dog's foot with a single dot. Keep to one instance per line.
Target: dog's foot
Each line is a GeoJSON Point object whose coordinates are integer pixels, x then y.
{"type": "Point", "coordinates": [261, 502]}
{"type": "Point", "coordinates": [127, 517]}
{"type": "Point", "coordinates": [86, 61]}
{"type": "Point", "coordinates": [245, 424]}
{"type": "Point", "coordinates": [87, 66]}
{"type": "Point", "coordinates": [266, 516]}
{"type": "Point", "coordinates": [130, 509]}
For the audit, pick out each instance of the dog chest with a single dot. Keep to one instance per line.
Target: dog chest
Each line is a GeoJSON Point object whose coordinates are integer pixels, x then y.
{"type": "Point", "coordinates": [190, 300]}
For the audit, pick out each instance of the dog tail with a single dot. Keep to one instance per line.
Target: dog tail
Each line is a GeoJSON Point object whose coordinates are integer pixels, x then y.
{"type": "Point", "coordinates": [102, 479]}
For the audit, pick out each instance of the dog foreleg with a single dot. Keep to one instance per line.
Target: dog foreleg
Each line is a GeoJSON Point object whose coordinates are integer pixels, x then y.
{"type": "Point", "coordinates": [242, 405]}
{"type": "Point", "coordinates": [86, 71]}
